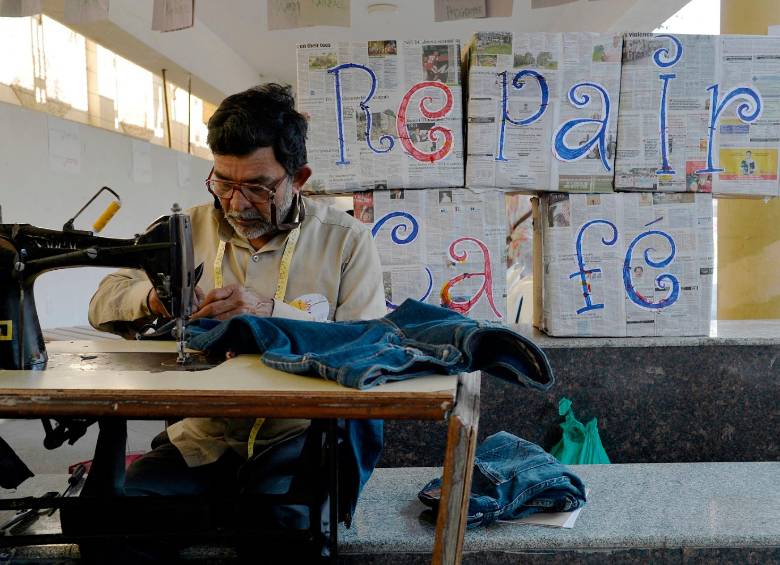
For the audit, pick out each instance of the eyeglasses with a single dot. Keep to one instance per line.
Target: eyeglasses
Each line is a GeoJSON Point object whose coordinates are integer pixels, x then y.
{"type": "Point", "coordinates": [254, 192]}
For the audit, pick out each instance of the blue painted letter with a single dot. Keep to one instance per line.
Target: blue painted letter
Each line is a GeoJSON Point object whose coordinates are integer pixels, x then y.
{"type": "Point", "coordinates": [661, 56]}
{"type": "Point", "coordinates": [666, 168]}
{"type": "Point", "coordinates": [744, 113]}
{"type": "Point", "coordinates": [581, 263]}
{"type": "Point", "coordinates": [660, 280]}
{"type": "Point", "coordinates": [567, 153]}
{"type": "Point", "coordinates": [336, 72]}
{"type": "Point", "coordinates": [397, 236]}
{"type": "Point", "coordinates": [517, 82]}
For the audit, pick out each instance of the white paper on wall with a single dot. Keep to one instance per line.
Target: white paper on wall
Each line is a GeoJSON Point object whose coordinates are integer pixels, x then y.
{"type": "Point", "coordinates": [19, 8]}
{"type": "Point", "coordinates": [141, 161]}
{"type": "Point", "coordinates": [85, 11]}
{"type": "Point", "coordinates": [64, 146]}
{"type": "Point", "coordinates": [172, 15]}
{"type": "Point", "coordinates": [183, 169]}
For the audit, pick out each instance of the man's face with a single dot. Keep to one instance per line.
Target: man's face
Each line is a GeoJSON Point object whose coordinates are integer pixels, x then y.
{"type": "Point", "coordinates": [253, 220]}
{"type": "Point", "coordinates": [748, 155]}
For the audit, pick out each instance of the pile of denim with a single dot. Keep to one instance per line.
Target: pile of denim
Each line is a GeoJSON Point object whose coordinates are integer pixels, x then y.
{"type": "Point", "coordinates": [514, 478]}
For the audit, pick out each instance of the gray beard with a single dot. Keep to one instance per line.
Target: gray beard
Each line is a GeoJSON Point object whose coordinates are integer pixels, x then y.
{"type": "Point", "coordinates": [260, 226]}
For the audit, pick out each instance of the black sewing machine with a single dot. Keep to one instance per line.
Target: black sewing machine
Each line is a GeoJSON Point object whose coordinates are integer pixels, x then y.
{"type": "Point", "coordinates": [163, 251]}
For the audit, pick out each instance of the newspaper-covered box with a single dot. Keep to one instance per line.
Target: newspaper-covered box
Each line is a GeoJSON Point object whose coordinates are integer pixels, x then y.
{"type": "Point", "coordinates": [542, 110]}
{"type": "Point", "coordinates": [382, 114]}
{"type": "Point", "coordinates": [442, 246]}
{"type": "Point", "coordinates": [623, 264]}
{"type": "Point", "coordinates": [699, 113]}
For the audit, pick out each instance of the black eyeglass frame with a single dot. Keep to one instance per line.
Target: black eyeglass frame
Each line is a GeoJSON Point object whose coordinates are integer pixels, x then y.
{"type": "Point", "coordinates": [297, 212]}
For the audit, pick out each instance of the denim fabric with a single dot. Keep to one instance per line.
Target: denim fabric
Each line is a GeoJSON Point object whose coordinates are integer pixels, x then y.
{"type": "Point", "coordinates": [413, 340]}
{"type": "Point", "coordinates": [514, 478]}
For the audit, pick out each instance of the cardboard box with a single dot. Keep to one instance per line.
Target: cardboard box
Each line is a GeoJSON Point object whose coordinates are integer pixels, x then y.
{"type": "Point", "coordinates": [623, 264]}
{"type": "Point", "coordinates": [382, 114]}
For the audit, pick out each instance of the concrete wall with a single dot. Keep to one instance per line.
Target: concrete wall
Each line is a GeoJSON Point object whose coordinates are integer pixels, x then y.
{"type": "Point", "coordinates": [32, 191]}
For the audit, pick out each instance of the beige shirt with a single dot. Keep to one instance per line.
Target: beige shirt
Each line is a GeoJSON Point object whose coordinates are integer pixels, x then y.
{"type": "Point", "coordinates": [335, 258]}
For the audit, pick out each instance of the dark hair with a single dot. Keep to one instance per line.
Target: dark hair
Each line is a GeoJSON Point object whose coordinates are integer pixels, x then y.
{"type": "Point", "coordinates": [263, 116]}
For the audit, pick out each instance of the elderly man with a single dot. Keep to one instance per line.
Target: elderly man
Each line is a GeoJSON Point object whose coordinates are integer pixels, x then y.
{"type": "Point", "coordinates": [267, 251]}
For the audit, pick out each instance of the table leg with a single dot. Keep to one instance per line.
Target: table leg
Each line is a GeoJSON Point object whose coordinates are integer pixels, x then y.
{"type": "Point", "coordinates": [333, 495]}
{"type": "Point", "coordinates": [106, 476]}
{"type": "Point", "coordinates": [456, 477]}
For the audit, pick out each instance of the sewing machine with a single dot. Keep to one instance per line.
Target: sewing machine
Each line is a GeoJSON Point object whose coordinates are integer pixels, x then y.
{"type": "Point", "coordinates": [163, 251]}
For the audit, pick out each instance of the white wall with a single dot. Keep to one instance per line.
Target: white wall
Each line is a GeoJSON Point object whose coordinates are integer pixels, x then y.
{"type": "Point", "coordinates": [32, 192]}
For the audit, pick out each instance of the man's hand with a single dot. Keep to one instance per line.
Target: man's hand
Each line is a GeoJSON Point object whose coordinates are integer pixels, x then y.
{"type": "Point", "coordinates": [155, 304]}
{"type": "Point", "coordinates": [158, 308]}
{"type": "Point", "coordinates": [226, 302]}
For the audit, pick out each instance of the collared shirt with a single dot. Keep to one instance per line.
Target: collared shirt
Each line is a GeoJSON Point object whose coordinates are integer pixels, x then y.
{"type": "Point", "coordinates": [335, 260]}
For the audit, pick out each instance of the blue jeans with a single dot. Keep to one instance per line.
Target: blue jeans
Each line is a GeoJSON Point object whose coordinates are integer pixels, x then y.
{"type": "Point", "coordinates": [514, 478]}
{"type": "Point", "coordinates": [416, 339]}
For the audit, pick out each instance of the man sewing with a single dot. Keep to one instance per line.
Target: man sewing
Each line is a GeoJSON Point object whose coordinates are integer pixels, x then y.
{"type": "Point", "coordinates": [266, 251]}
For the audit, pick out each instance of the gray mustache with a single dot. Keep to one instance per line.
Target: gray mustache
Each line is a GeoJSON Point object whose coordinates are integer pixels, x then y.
{"type": "Point", "coordinates": [249, 215]}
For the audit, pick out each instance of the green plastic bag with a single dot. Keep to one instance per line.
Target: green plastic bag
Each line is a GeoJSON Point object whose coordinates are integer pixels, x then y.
{"type": "Point", "coordinates": [580, 444]}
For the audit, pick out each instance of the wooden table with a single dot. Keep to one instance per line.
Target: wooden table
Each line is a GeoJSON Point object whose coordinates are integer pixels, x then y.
{"type": "Point", "coordinates": [77, 386]}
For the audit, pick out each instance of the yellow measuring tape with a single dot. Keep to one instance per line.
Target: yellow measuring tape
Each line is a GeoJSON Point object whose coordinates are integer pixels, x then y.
{"type": "Point", "coordinates": [281, 291]}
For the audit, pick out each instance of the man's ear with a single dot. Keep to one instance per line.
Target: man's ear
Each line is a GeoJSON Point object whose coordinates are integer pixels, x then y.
{"type": "Point", "coordinates": [301, 177]}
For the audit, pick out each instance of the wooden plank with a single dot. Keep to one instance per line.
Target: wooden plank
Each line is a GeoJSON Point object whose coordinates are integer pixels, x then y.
{"type": "Point", "coordinates": [457, 473]}
{"type": "Point", "coordinates": [226, 403]}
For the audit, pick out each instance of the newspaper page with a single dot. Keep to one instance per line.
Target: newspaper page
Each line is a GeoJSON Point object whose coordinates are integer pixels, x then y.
{"type": "Point", "coordinates": [441, 246]}
{"type": "Point", "coordinates": [748, 152]}
{"type": "Point", "coordinates": [513, 119]}
{"type": "Point", "coordinates": [382, 114]}
{"type": "Point", "coordinates": [667, 141]}
{"type": "Point", "coordinates": [625, 264]}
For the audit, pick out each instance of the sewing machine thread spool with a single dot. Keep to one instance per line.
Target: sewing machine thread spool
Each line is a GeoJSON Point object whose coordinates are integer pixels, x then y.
{"type": "Point", "coordinates": [106, 216]}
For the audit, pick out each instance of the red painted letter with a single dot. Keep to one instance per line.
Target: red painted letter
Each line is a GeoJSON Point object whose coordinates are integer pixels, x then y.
{"type": "Point", "coordinates": [487, 283]}
{"type": "Point", "coordinates": [435, 132]}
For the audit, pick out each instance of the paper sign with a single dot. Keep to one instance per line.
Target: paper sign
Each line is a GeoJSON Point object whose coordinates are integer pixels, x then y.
{"type": "Point", "coordinates": [171, 15]}
{"type": "Point", "coordinates": [773, 30]}
{"type": "Point", "coordinates": [499, 8]}
{"type": "Point", "coordinates": [289, 14]}
{"type": "Point", "coordinates": [564, 520]}
{"type": "Point", "coordinates": [142, 161]}
{"type": "Point", "coordinates": [19, 8]}
{"type": "Point", "coordinates": [284, 14]}
{"type": "Point", "coordinates": [549, 3]}
{"type": "Point", "coordinates": [64, 146]}
{"type": "Point", "coordinates": [325, 13]}
{"type": "Point", "coordinates": [85, 11]}
{"type": "Point", "coordinates": [446, 10]}
{"type": "Point", "coordinates": [183, 167]}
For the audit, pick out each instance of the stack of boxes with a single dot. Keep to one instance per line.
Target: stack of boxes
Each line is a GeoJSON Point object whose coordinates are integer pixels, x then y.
{"type": "Point", "coordinates": [623, 137]}
{"type": "Point", "coordinates": [386, 117]}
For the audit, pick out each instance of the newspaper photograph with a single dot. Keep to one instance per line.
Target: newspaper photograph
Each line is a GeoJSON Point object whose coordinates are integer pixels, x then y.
{"type": "Point", "coordinates": [382, 114]}
{"type": "Point", "coordinates": [624, 264]}
{"type": "Point", "coordinates": [527, 90]}
{"type": "Point", "coordinates": [699, 113]}
{"type": "Point", "coordinates": [441, 246]}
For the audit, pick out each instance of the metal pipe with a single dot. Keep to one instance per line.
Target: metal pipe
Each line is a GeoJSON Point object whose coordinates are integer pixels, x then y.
{"type": "Point", "coordinates": [167, 113]}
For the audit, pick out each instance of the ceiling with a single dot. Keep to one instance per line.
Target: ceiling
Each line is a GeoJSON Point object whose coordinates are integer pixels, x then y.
{"type": "Point", "coordinates": [230, 47]}
{"type": "Point", "coordinates": [272, 53]}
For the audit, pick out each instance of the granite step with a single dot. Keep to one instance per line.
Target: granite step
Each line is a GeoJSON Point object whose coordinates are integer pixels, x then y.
{"type": "Point", "coordinates": [636, 513]}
